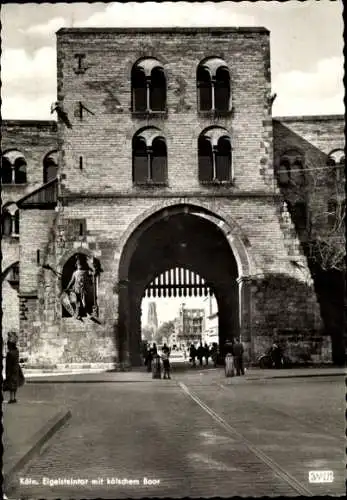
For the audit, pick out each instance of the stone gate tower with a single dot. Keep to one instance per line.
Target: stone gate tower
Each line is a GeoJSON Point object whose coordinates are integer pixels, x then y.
{"type": "Point", "coordinates": [165, 153]}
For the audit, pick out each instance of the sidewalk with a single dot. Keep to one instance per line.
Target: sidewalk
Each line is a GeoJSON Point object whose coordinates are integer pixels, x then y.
{"type": "Point", "coordinates": [27, 425]}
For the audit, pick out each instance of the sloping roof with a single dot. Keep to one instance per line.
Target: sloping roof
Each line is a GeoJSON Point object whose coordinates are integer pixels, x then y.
{"type": "Point", "coordinates": [44, 197]}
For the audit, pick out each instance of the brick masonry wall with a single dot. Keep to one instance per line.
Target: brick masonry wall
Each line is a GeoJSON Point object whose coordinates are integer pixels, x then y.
{"type": "Point", "coordinates": [10, 251]}
{"type": "Point", "coordinates": [35, 233]}
{"type": "Point", "coordinates": [105, 89]}
{"type": "Point", "coordinates": [10, 307]}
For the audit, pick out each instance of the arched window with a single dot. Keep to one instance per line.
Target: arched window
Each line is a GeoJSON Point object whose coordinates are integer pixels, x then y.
{"type": "Point", "coordinates": [149, 157]}
{"type": "Point", "coordinates": [6, 223]}
{"type": "Point", "coordinates": [284, 172]}
{"type": "Point", "coordinates": [223, 159]}
{"type": "Point", "coordinates": [297, 172]}
{"type": "Point", "coordinates": [13, 168]}
{"type": "Point", "coordinates": [291, 169]}
{"type": "Point", "coordinates": [215, 156]}
{"type": "Point", "coordinates": [10, 220]}
{"type": "Point", "coordinates": [50, 167]}
{"type": "Point", "coordinates": [20, 171]}
{"type": "Point", "coordinates": [139, 89]}
{"type": "Point", "coordinates": [140, 160]}
{"type": "Point", "coordinates": [213, 83]}
{"type": "Point", "coordinates": [6, 171]}
{"type": "Point", "coordinates": [148, 84]}
{"type": "Point", "coordinates": [204, 83]}
{"type": "Point", "coordinates": [159, 160]}
{"type": "Point", "coordinates": [222, 89]}
{"type": "Point", "coordinates": [157, 95]}
{"type": "Point", "coordinates": [205, 159]}
{"type": "Point", "coordinates": [336, 161]}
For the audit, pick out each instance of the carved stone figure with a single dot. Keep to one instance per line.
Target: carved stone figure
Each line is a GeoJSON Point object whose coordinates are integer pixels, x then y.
{"type": "Point", "coordinates": [81, 290]}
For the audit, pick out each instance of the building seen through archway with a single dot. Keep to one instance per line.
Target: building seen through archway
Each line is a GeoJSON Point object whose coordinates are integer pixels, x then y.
{"type": "Point", "coordinates": [183, 304]}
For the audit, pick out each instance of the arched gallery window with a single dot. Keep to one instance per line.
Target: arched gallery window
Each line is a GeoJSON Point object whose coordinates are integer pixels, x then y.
{"type": "Point", "coordinates": [50, 166]}
{"type": "Point", "coordinates": [213, 85]}
{"type": "Point", "coordinates": [149, 157]}
{"type": "Point", "coordinates": [148, 86]}
{"type": "Point", "coordinates": [10, 220]}
{"type": "Point", "coordinates": [215, 157]}
{"type": "Point", "coordinates": [336, 162]}
{"type": "Point", "coordinates": [291, 169]}
{"type": "Point", "coordinates": [13, 168]}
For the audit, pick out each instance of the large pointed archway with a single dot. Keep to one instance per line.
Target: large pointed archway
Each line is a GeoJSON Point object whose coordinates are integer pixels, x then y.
{"type": "Point", "coordinates": [185, 237]}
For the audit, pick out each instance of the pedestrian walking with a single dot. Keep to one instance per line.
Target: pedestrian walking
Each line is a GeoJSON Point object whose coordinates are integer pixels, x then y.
{"type": "Point", "coordinates": [238, 357]}
{"type": "Point", "coordinates": [200, 353]}
{"type": "Point", "coordinates": [165, 356]}
{"type": "Point", "coordinates": [14, 375]}
{"type": "Point", "coordinates": [154, 349]}
{"type": "Point", "coordinates": [192, 355]}
{"type": "Point", "coordinates": [206, 352]}
{"type": "Point", "coordinates": [214, 353]}
{"type": "Point", "coordinates": [276, 355]}
{"type": "Point", "coordinates": [148, 360]}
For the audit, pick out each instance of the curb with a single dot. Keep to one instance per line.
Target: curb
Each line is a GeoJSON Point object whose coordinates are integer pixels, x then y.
{"type": "Point", "coordinates": [33, 446]}
{"type": "Point", "coordinates": [299, 375]}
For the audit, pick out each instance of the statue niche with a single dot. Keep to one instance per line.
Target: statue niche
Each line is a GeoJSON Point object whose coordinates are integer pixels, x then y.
{"type": "Point", "coordinates": [79, 284]}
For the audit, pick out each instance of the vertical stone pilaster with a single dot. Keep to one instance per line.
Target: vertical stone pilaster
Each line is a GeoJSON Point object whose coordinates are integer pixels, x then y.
{"type": "Point", "coordinates": [245, 314]}
{"type": "Point", "coordinates": [244, 283]}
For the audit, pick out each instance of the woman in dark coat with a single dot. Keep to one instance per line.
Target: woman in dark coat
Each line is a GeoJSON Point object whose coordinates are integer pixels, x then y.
{"type": "Point", "coordinates": [14, 376]}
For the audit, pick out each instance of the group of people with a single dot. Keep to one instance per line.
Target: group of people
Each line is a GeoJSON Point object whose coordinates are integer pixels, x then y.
{"type": "Point", "coordinates": [152, 354]}
{"type": "Point", "coordinates": [203, 352]}
{"type": "Point", "coordinates": [235, 349]}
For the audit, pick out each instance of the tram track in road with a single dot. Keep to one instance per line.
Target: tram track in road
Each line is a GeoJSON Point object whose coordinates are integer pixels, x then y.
{"type": "Point", "coordinates": [282, 413]}
{"type": "Point", "coordinates": [265, 459]}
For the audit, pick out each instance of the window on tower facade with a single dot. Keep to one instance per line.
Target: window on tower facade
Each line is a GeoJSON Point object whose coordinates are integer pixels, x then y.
{"type": "Point", "coordinates": [149, 157]}
{"type": "Point", "coordinates": [10, 220]}
{"type": "Point", "coordinates": [291, 170]}
{"type": "Point", "coordinates": [336, 164]}
{"type": "Point", "coordinates": [215, 156]}
{"type": "Point", "coordinates": [213, 85]}
{"type": "Point", "coordinates": [148, 83]}
{"type": "Point", "coordinates": [13, 168]}
{"type": "Point", "coordinates": [50, 166]}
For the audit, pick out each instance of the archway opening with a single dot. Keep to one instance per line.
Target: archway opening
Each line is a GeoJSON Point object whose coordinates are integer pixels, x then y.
{"type": "Point", "coordinates": [179, 308]}
{"type": "Point", "coordinates": [176, 238]}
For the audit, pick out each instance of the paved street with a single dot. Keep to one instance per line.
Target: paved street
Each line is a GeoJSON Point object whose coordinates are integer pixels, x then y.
{"type": "Point", "coordinates": [198, 434]}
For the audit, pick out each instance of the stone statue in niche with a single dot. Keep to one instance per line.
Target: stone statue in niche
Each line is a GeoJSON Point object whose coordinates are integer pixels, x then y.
{"type": "Point", "coordinates": [80, 295]}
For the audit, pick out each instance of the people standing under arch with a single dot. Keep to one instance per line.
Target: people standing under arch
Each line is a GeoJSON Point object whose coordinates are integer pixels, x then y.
{"type": "Point", "coordinates": [192, 355]}
{"type": "Point", "coordinates": [200, 353]}
{"type": "Point", "coordinates": [166, 361]}
{"type": "Point", "coordinates": [214, 354]}
{"type": "Point", "coordinates": [237, 352]}
{"type": "Point", "coordinates": [206, 353]}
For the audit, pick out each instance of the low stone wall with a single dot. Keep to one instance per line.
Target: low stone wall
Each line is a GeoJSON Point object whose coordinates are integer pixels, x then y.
{"type": "Point", "coordinates": [298, 347]}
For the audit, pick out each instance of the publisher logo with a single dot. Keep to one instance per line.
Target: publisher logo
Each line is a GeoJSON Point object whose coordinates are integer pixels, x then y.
{"type": "Point", "coordinates": [321, 476]}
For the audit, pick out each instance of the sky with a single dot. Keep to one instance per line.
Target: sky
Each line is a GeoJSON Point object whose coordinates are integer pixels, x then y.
{"type": "Point", "coordinates": [306, 47]}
